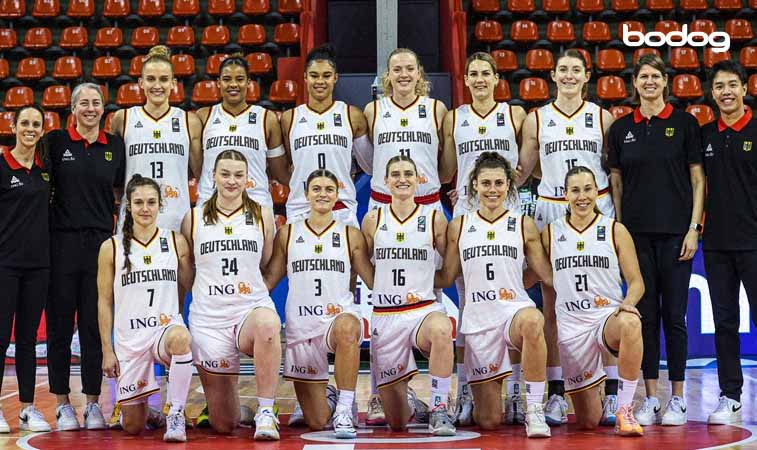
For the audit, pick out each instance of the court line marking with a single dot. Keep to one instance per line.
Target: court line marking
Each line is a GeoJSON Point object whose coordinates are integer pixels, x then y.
{"type": "Point", "coordinates": [328, 436]}
{"type": "Point", "coordinates": [751, 428]}
{"type": "Point", "coordinates": [12, 394]}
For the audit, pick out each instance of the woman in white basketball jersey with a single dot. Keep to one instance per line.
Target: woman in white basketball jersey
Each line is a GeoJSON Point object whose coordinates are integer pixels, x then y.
{"type": "Point", "coordinates": [567, 132]}
{"type": "Point", "coordinates": [141, 272]}
{"type": "Point", "coordinates": [250, 129]}
{"type": "Point", "coordinates": [589, 252]}
{"type": "Point", "coordinates": [404, 238]}
{"type": "Point", "coordinates": [318, 256]}
{"type": "Point", "coordinates": [231, 236]}
{"type": "Point", "coordinates": [162, 142]}
{"type": "Point", "coordinates": [489, 247]}
{"type": "Point", "coordinates": [322, 134]}
{"type": "Point", "coordinates": [470, 130]}
{"type": "Point", "coordinates": [406, 122]}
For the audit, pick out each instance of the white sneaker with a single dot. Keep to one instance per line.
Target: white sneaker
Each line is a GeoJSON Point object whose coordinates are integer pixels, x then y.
{"type": "Point", "coordinates": [4, 427]}
{"type": "Point", "coordinates": [31, 419]}
{"type": "Point", "coordinates": [556, 410]}
{"type": "Point", "coordinates": [344, 427]}
{"type": "Point", "coordinates": [464, 408]}
{"type": "Point", "coordinates": [515, 410]}
{"type": "Point", "coordinates": [266, 425]}
{"type": "Point", "coordinates": [440, 424]}
{"type": "Point", "coordinates": [536, 424]}
{"type": "Point", "coordinates": [419, 409]}
{"type": "Point", "coordinates": [727, 412]}
{"type": "Point", "coordinates": [93, 417]}
{"type": "Point", "coordinates": [609, 408]}
{"type": "Point", "coordinates": [297, 418]}
{"type": "Point", "coordinates": [649, 413]}
{"type": "Point", "coordinates": [176, 430]}
{"type": "Point", "coordinates": [675, 412]}
{"type": "Point", "coordinates": [375, 414]}
{"type": "Point", "coordinates": [66, 418]}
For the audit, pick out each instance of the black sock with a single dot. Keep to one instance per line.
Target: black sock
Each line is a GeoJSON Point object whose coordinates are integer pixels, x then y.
{"type": "Point", "coordinates": [611, 387]}
{"type": "Point", "coordinates": [555, 387]}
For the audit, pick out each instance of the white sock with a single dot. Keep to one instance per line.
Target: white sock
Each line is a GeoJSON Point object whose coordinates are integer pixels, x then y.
{"type": "Point", "coordinates": [265, 403]}
{"type": "Point", "coordinates": [344, 403]}
{"type": "Point", "coordinates": [179, 379]}
{"type": "Point", "coordinates": [439, 391]}
{"type": "Point", "coordinates": [626, 390]}
{"type": "Point", "coordinates": [534, 392]}
{"type": "Point", "coordinates": [554, 373]}
{"type": "Point", "coordinates": [513, 383]}
{"type": "Point", "coordinates": [462, 379]}
{"type": "Point", "coordinates": [612, 372]}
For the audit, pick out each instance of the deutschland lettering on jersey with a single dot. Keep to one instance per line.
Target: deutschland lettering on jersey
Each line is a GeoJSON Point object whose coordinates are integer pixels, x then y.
{"type": "Point", "coordinates": [232, 141]}
{"type": "Point", "coordinates": [483, 145]}
{"type": "Point", "coordinates": [412, 254]}
{"type": "Point", "coordinates": [388, 137]}
{"type": "Point", "coordinates": [321, 139]}
{"type": "Point", "coordinates": [481, 251]}
{"type": "Point", "coordinates": [568, 262]}
{"type": "Point", "coordinates": [229, 245]}
{"type": "Point", "coordinates": [147, 276]}
{"type": "Point", "coordinates": [151, 148]}
{"type": "Point", "coordinates": [571, 145]}
{"type": "Point", "coordinates": [312, 265]}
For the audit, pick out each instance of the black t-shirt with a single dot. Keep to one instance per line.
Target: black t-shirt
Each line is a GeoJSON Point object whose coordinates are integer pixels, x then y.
{"type": "Point", "coordinates": [730, 162]}
{"type": "Point", "coordinates": [654, 157]}
{"type": "Point", "coordinates": [84, 176]}
{"type": "Point", "coordinates": [24, 202]}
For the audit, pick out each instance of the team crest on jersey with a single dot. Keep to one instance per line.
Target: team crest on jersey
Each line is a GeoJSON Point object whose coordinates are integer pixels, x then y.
{"type": "Point", "coordinates": [45, 176]}
{"type": "Point", "coordinates": [400, 237]}
{"type": "Point", "coordinates": [472, 229]}
{"type": "Point", "coordinates": [747, 146]}
{"type": "Point", "coordinates": [490, 235]}
{"type": "Point", "coordinates": [569, 131]}
{"type": "Point", "coordinates": [228, 230]}
{"type": "Point", "coordinates": [248, 218]}
{"type": "Point", "coordinates": [482, 130]}
{"type": "Point", "coordinates": [562, 238]}
{"type": "Point", "coordinates": [464, 124]}
{"type": "Point", "coordinates": [601, 233]}
{"type": "Point", "coordinates": [109, 156]}
{"type": "Point", "coordinates": [669, 132]}
{"type": "Point", "coordinates": [252, 118]}
{"type": "Point", "coordinates": [589, 120]}
{"type": "Point", "coordinates": [156, 134]}
{"type": "Point", "coordinates": [233, 128]}
{"type": "Point", "coordinates": [217, 121]}
{"type": "Point", "coordinates": [511, 224]}
{"type": "Point", "coordinates": [175, 125]}
{"type": "Point", "coordinates": [138, 124]}
{"type": "Point", "coordinates": [422, 224]}
{"type": "Point", "coordinates": [422, 111]}
{"type": "Point", "coordinates": [318, 249]}
{"type": "Point", "coordinates": [320, 126]}
{"type": "Point", "coordinates": [551, 123]}
{"type": "Point", "coordinates": [336, 240]}
{"type": "Point", "coordinates": [500, 120]}
{"type": "Point", "coordinates": [300, 240]}
{"type": "Point", "coordinates": [337, 120]}
{"type": "Point", "coordinates": [163, 245]}
{"type": "Point", "coordinates": [403, 122]}
{"type": "Point", "coordinates": [303, 120]}
{"type": "Point", "coordinates": [580, 246]}
{"type": "Point", "coordinates": [147, 259]}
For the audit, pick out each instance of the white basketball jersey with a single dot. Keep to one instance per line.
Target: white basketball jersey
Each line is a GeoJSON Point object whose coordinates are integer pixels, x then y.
{"type": "Point", "coordinates": [159, 149]}
{"type": "Point", "coordinates": [474, 134]}
{"type": "Point", "coordinates": [586, 272]}
{"type": "Point", "coordinates": [491, 255]}
{"type": "Point", "coordinates": [318, 269]}
{"type": "Point", "coordinates": [404, 254]}
{"type": "Point", "coordinates": [566, 142]}
{"type": "Point", "coordinates": [320, 141]}
{"type": "Point", "coordinates": [411, 131]}
{"type": "Point", "coordinates": [228, 281]}
{"type": "Point", "coordinates": [245, 133]}
{"type": "Point", "coordinates": [147, 297]}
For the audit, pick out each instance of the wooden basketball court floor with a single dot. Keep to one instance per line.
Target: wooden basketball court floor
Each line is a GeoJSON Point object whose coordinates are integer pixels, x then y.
{"type": "Point", "coordinates": [701, 393]}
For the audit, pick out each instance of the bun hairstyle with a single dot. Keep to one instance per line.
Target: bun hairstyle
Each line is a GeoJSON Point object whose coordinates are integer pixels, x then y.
{"type": "Point", "coordinates": [492, 160]}
{"type": "Point", "coordinates": [159, 53]}
{"type": "Point", "coordinates": [575, 171]}
{"type": "Point", "coordinates": [400, 158]}
{"type": "Point", "coordinates": [324, 52]}
{"type": "Point", "coordinates": [423, 87]}
{"type": "Point", "coordinates": [318, 173]}
{"type": "Point", "coordinates": [128, 227]}
{"type": "Point", "coordinates": [235, 59]}
{"type": "Point", "coordinates": [210, 209]}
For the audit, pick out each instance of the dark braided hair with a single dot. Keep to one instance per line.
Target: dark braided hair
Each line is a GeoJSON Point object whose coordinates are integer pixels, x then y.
{"type": "Point", "coordinates": [575, 170]}
{"type": "Point", "coordinates": [128, 227]}
{"type": "Point", "coordinates": [235, 59]}
{"type": "Point", "coordinates": [324, 52]}
{"type": "Point", "coordinates": [210, 210]}
{"type": "Point", "coordinates": [492, 160]}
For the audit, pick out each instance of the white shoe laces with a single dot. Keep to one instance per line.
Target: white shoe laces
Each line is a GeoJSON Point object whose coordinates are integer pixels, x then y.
{"type": "Point", "coordinates": [722, 404]}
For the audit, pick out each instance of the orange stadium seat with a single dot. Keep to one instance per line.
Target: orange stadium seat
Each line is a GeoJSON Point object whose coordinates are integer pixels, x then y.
{"type": "Point", "coordinates": [253, 92]}
{"type": "Point", "coordinates": [727, 5]}
{"type": "Point", "coordinates": [521, 6]}
{"type": "Point", "coordinates": [590, 6]}
{"type": "Point", "coordinates": [505, 60]}
{"type": "Point", "coordinates": [106, 68]}
{"type": "Point", "coordinates": [105, 93]}
{"type": "Point", "coordinates": [660, 6]}
{"type": "Point", "coordinates": [611, 88]}
{"type": "Point", "coordinates": [31, 69]}
{"type": "Point", "coordinates": [109, 38]}
{"type": "Point", "coordinates": [556, 6]}
{"type": "Point", "coordinates": [181, 36]}
{"type": "Point", "coordinates": [259, 63]}
{"type": "Point", "coordinates": [8, 39]}
{"type": "Point", "coordinates": [213, 64]}
{"type": "Point", "coordinates": [524, 31]}
{"type": "Point", "coordinates": [116, 9]}
{"type": "Point", "coordinates": [666, 26]}
{"type": "Point", "coordinates": [711, 58]}
{"type": "Point", "coordinates": [81, 9]}
{"type": "Point", "coordinates": [533, 90]}
{"type": "Point", "coordinates": [177, 96]}
{"type": "Point", "coordinates": [748, 57]}
{"type": "Point", "coordinates": [4, 68]}
{"type": "Point", "coordinates": [752, 85]}
{"type": "Point", "coordinates": [52, 121]}
{"type": "Point", "coordinates": [183, 65]}
{"type": "Point", "coordinates": [206, 93]}
{"type": "Point", "coordinates": [18, 96]}
{"type": "Point", "coordinates": [684, 59]}
{"type": "Point", "coordinates": [485, 6]}
{"type": "Point", "coordinates": [38, 38]}
{"type": "Point", "coordinates": [290, 7]}
{"type": "Point", "coordinates": [624, 6]}
{"type": "Point", "coordinates": [215, 36]}
{"type": "Point", "coordinates": [740, 30]}
{"type": "Point", "coordinates": [7, 118]}
{"type": "Point", "coordinates": [283, 91]}
{"type": "Point", "coordinates": [46, 9]}
{"type": "Point", "coordinates": [130, 94]}
{"type": "Point", "coordinates": [619, 111]}
{"type": "Point", "coordinates": [703, 25]}
{"type": "Point", "coordinates": [596, 32]}
{"type": "Point", "coordinates": [488, 31]}
{"type": "Point", "coordinates": [687, 87]}
{"type": "Point", "coordinates": [611, 60]}
{"type": "Point", "coordinates": [251, 34]}
{"type": "Point", "coordinates": [135, 66]}
{"type": "Point", "coordinates": [633, 25]}
{"type": "Point", "coordinates": [221, 8]}
{"type": "Point", "coordinates": [256, 7]}
{"type": "Point", "coordinates": [639, 52]}
{"type": "Point", "coordinates": [185, 8]}
{"type": "Point", "coordinates": [561, 32]}
{"type": "Point", "coordinates": [694, 6]}
{"type": "Point", "coordinates": [703, 113]}
{"type": "Point", "coordinates": [56, 97]}
{"type": "Point", "coordinates": [108, 120]}
{"type": "Point", "coordinates": [286, 34]}
{"type": "Point", "coordinates": [70, 121]}
{"type": "Point", "coordinates": [12, 9]}
{"type": "Point", "coordinates": [279, 192]}
{"type": "Point", "coordinates": [502, 91]}
{"type": "Point", "coordinates": [67, 68]}
{"type": "Point", "coordinates": [145, 37]}
{"type": "Point", "coordinates": [540, 60]}
{"type": "Point", "coordinates": [74, 38]}
{"type": "Point", "coordinates": [151, 9]}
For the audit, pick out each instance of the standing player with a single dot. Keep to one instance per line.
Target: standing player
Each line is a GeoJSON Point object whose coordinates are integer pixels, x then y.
{"type": "Point", "coordinates": [589, 251]}
{"type": "Point", "coordinates": [250, 129]}
{"type": "Point", "coordinates": [322, 134]}
{"type": "Point", "coordinates": [404, 238]}
{"type": "Point", "coordinates": [139, 272]}
{"type": "Point", "coordinates": [469, 130]}
{"type": "Point", "coordinates": [560, 135]}
{"type": "Point", "coordinates": [499, 316]}
{"type": "Point", "coordinates": [161, 141]}
{"type": "Point", "coordinates": [318, 255]}
{"type": "Point", "coordinates": [231, 236]}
